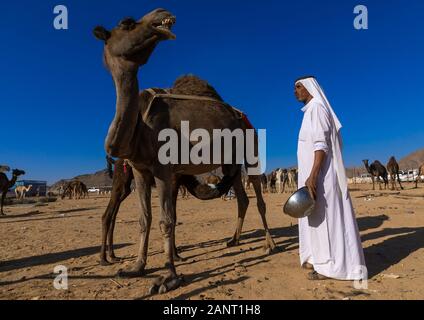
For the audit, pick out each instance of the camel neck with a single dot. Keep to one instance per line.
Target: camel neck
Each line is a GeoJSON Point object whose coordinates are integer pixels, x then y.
{"type": "Point", "coordinates": [121, 131]}
{"type": "Point", "coordinates": [13, 181]}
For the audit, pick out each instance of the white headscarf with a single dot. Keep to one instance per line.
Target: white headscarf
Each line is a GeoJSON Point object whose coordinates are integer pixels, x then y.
{"type": "Point", "coordinates": [314, 89]}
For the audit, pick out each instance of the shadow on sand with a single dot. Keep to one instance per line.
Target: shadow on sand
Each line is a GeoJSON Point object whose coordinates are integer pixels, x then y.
{"type": "Point", "coordinates": [51, 258]}
{"type": "Point", "coordinates": [383, 255]}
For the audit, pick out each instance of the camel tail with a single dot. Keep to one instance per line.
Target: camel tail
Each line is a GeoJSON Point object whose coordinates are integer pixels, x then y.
{"type": "Point", "coordinates": [204, 191]}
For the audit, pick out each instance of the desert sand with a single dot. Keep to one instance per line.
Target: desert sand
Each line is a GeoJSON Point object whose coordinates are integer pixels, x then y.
{"type": "Point", "coordinates": [35, 239]}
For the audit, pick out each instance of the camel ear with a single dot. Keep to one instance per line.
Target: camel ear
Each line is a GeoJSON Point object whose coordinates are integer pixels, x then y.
{"type": "Point", "coordinates": [101, 33]}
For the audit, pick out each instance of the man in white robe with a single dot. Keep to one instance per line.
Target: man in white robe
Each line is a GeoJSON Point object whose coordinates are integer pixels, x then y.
{"type": "Point", "coordinates": [329, 241]}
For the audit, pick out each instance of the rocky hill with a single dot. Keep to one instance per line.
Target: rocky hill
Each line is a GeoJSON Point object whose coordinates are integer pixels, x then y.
{"type": "Point", "coordinates": [412, 161]}
{"type": "Point", "coordinates": [98, 179]}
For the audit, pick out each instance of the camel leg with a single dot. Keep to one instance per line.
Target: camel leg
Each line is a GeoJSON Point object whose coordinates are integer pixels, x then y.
{"type": "Point", "coordinates": [167, 226]}
{"type": "Point", "coordinates": [398, 178]}
{"type": "Point", "coordinates": [175, 190]}
{"type": "Point", "coordinates": [269, 242]}
{"type": "Point", "coordinates": [143, 187]}
{"type": "Point", "coordinates": [242, 205]}
{"type": "Point", "coordinates": [124, 192]}
{"type": "Point", "coordinates": [107, 219]}
{"type": "Point", "coordinates": [3, 196]}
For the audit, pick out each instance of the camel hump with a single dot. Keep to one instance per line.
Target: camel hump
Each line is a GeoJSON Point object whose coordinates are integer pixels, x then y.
{"type": "Point", "coordinates": [193, 85]}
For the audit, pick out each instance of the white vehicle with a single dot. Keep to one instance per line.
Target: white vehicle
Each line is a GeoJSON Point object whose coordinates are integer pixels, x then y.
{"type": "Point", "coordinates": [93, 190]}
{"type": "Point", "coordinates": [408, 176]}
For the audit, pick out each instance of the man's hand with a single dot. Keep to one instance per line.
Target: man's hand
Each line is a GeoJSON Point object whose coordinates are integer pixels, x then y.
{"type": "Point", "coordinates": [311, 183]}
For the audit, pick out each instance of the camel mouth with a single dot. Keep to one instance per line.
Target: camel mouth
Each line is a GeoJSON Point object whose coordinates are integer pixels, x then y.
{"type": "Point", "coordinates": [164, 27]}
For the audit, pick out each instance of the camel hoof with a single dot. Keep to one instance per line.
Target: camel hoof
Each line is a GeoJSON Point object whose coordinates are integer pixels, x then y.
{"type": "Point", "coordinates": [163, 289]}
{"type": "Point", "coordinates": [178, 258]}
{"type": "Point", "coordinates": [267, 251]}
{"type": "Point", "coordinates": [170, 285]}
{"type": "Point", "coordinates": [232, 243]}
{"type": "Point", "coordinates": [153, 290]}
{"type": "Point", "coordinates": [133, 273]}
{"type": "Point", "coordinates": [104, 263]}
{"type": "Point", "coordinates": [114, 259]}
{"type": "Point", "coordinates": [163, 285]}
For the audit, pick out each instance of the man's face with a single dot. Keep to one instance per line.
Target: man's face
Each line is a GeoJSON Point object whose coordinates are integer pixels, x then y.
{"type": "Point", "coordinates": [301, 93]}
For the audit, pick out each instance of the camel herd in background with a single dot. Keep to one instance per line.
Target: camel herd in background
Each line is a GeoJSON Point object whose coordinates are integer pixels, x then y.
{"type": "Point", "coordinates": [74, 190]}
{"type": "Point", "coordinates": [381, 173]}
{"type": "Point", "coordinates": [280, 180]}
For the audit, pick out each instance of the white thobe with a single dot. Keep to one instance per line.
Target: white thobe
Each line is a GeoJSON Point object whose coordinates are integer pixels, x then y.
{"type": "Point", "coordinates": [328, 238]}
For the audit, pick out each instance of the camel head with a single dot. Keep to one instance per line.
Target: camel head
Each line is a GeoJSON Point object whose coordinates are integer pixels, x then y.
{"type": "Point", "coordinates": [365, 162]}
{"type": "Point", "coordinates": [17, 172]}
{"type": "Point", "coordinates": [131, 43]}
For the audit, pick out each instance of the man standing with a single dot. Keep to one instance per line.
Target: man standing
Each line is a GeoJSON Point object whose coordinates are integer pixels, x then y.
{"type": "Point", "coordinates": [329, 241]}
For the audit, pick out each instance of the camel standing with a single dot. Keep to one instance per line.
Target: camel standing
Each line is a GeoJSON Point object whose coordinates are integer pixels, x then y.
{"type": "Point", "coordinates": [20, 191]}
{"type": "Point", "coordinates": [279, 180]}
{"type": "Point", "coordinates": [6, 184]}
{"type": "Point", "coordinates": [134, 133]}
{"type": "Point", "coordinates": [122, 175]}
{"type": "Point", "coordinates": [292, 180]}
{"type": "Point", "coordinates": [272, 181]}
{"type": "Point", "coordinates": [377, 170]}
{"type": "Point", "coordinates": [393, 169]}
{"type": "Point", "coordinates": [419, 176]}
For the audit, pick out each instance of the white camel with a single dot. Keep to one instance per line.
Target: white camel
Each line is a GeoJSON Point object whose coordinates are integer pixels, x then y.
{"type": "Point", "coordinates": [20, 191]}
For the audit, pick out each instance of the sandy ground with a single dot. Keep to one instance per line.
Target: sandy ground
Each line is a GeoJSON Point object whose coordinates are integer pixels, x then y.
{"type": "Point", "coordinates": [35, 239]}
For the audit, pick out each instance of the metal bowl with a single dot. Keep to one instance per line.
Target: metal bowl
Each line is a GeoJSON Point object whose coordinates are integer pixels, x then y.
{"type": "Point", "coordinates": [300, 204]}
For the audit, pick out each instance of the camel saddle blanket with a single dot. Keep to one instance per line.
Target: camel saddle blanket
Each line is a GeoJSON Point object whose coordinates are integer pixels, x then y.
{"type": "Point", "coordinates": [168, 95]}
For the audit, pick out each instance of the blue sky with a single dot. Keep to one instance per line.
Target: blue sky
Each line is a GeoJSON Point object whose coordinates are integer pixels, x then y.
{"type": "Point", "coordinates": [57, 100]}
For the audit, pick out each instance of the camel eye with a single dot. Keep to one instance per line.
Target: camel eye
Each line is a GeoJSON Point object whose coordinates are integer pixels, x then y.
{"type": "Point", "coordinates": [127, 24]}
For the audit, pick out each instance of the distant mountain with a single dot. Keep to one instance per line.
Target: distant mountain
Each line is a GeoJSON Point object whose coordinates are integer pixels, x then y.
{"type": "Point", "coordinates": [412, 161]}
{"type": "Point", "coordinates": [98, 179]}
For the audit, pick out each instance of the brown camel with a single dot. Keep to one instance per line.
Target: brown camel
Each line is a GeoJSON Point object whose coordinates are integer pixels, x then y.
{"type": "Point", "coordinates": [377, 170]}
{"type": "Point", "coordinates": [122, 175]}
{"type": "Point", "coordinates": [75, 190]}
{"type": "Point", "coordinates": [272, 181]}
{"type": "Point", "coordinates": [134, 133]}
{"type": "Point", "coordinates": [420, 174]}
{"type": "Point", "coordinates": [20, 191]}
{"type": "Point", "coordinates": [393, 169]}
{"type": "Point", "coordinates": [6, 184]}
{"type": "Point", "coordinates": [264, 182]}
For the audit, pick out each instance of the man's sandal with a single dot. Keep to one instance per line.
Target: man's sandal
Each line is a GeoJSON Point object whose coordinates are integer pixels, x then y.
{"type": "Point", "coordinates": [316, 276]}
{"type": "Point", "coordinates": [308, 266]}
